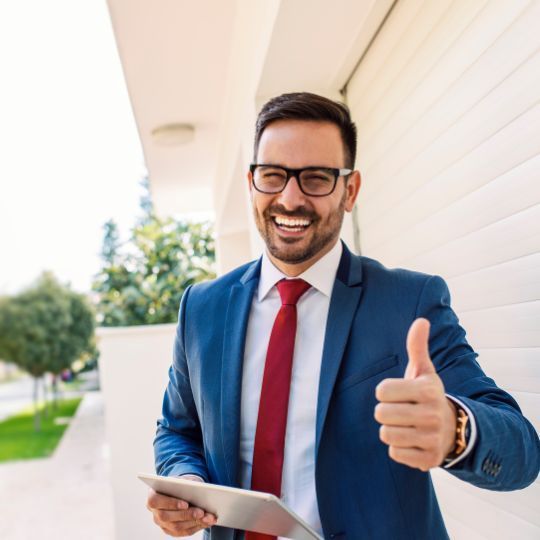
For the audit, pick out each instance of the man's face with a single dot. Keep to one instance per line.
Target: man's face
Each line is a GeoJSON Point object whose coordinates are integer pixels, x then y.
{"type": "Point", "coordinates": [317, 225]}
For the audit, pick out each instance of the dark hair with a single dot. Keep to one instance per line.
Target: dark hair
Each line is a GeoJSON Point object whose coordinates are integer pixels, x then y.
{"type": "Point", "coordinates": [307, 106]}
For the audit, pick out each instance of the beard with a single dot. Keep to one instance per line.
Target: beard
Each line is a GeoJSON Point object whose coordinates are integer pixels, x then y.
{"type": "Point", "coordinates": [292, 250]}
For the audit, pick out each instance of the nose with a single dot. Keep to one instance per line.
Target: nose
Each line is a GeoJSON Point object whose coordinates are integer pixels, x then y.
{"type": "Point", "coordinates": [292, 197]}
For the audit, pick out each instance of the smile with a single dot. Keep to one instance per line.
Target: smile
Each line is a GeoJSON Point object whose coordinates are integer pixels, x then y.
{"type": "Point", "coordinates": [291, 224]}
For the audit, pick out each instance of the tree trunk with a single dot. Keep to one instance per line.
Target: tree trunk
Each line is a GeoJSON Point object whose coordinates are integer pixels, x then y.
{"type": "Point", "coordinates": [55, 391]}
{"type": "Point", "coordinates": [37, 413]}
{"type": "Point", "coordinates": [45, 401]}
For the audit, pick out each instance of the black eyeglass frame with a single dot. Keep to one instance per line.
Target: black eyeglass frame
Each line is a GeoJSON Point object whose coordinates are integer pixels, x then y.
{"type": "Point", "coordinates": [296, 173]}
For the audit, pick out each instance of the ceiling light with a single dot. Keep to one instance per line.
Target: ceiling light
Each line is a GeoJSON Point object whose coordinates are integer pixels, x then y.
{"type": "Point", "coordinates": [173, 134]}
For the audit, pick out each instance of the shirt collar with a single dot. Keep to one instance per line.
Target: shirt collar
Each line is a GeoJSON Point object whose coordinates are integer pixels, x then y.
{"type": "Point", "coordinates": [320, 275]}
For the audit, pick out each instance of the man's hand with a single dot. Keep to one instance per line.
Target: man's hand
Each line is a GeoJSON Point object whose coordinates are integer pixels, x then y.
{"type": "Point", "coordinates": [175, 516]}
{"type": "Point", "coordinates": [418, 422]}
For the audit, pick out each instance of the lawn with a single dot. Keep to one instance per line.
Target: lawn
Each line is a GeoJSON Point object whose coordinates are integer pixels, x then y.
{"type": "Point", "coordinates": [18, 440]}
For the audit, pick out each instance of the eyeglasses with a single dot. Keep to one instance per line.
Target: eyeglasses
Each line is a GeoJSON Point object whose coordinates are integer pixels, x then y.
{"type": "Point", "coordinates": [313, 181]}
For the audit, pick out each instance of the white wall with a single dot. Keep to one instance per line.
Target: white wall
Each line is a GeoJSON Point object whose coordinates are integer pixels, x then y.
{"type": "Point", "coordinates": [447, 106]}
{"type": "Point", "coordinates": [234, 228]}
{"type": "Point", "coordinates": [269, 57]}
{"type": "Point", "coordinates": [133, 364]}
{"type": "Point", "coordinates": [446, 101]}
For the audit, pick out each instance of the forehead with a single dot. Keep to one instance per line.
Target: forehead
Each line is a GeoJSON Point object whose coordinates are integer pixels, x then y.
{"type": "Point", "coordinates": [300, 143]}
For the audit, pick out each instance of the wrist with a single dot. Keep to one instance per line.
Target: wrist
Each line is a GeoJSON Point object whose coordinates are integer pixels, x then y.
{"type": "Point", "coordinates": [190, 476]}
{"type": "Point", "coordinates": [460, 437]}
{"type": "Point", "coordinates": [452, 428]}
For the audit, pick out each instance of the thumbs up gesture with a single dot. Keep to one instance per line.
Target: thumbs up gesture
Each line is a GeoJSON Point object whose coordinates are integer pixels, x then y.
{"type": "Point", "coordinates": [418, 422]}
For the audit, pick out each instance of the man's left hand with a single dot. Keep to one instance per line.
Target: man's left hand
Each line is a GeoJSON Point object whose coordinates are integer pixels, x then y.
{"type": "Point", "coordinates": [418, 421]}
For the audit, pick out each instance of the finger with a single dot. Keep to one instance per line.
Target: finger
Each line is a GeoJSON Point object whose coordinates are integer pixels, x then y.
{"type": "Point", "coordinates": [407, 437]}
{"type": "Point", "coordinates": [418, 350]}
{"type": "Point", "coordinates": [413, 457]}
{"type": "Point", "coordinates": [176, 526]}
{"type": "Point", "coordinates": [209, 519]}
{"type": "Point", "coordinates": [164, 502]}
{"type": "Point", "coordinates": [192, 513]}
{"type": "Point", "coordinates": [407, 390]}
{"type": "Point", "coordinates": [407, 414]}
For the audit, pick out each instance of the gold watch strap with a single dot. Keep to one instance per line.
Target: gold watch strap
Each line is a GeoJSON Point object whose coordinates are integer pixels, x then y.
{"type": "Point", "coordinates": [461, 430]}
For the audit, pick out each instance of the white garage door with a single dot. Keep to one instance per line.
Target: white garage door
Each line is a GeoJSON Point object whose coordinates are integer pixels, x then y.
{"type": "Point", "coordinates": [447, 103]}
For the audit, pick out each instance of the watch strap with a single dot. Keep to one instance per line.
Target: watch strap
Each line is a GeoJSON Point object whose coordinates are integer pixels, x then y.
{"type": "Point", "coordinates": [462, 434]}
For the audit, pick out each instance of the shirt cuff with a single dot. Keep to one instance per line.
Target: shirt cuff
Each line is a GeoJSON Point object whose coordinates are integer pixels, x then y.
{"type": "Point", "coordinates": [472, 434]}
{"type": "Point", "coordinates": [190, 476]}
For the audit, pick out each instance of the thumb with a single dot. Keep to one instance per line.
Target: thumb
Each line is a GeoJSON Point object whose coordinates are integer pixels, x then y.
{"type": "Point", "coordinates": [418, 350]}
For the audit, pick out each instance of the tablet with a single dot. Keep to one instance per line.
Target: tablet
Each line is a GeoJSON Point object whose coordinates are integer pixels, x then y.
{"type": "Point", "coordinates": [236, 508]}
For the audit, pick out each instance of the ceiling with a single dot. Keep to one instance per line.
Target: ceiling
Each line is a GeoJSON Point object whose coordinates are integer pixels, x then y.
{"type": "Point", "coordinates": [176, 56]}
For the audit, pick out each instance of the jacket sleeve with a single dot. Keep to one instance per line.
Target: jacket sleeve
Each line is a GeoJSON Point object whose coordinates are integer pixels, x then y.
{"type": "Point", "coordinates": [506, 455]}
{"type": "Point", "coordinates": [178, 445]}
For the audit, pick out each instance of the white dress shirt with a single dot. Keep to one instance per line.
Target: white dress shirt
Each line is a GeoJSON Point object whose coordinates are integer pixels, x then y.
{"type": "Point", "coordinates": [298, 480]}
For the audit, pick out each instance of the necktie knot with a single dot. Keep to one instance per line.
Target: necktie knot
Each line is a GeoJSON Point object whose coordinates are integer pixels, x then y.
{"type": "Point", "coordinates": [291, 290]}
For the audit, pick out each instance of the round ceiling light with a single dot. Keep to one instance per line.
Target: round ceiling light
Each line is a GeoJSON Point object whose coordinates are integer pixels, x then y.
{"type": "Point", "coordinates": [173, 134]}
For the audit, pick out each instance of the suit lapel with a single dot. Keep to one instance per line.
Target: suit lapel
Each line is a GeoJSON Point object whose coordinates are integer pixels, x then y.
{"type": "Point", "coordinates": [343, 305]}
{"type": "Point", "coordinates": [236, 321]}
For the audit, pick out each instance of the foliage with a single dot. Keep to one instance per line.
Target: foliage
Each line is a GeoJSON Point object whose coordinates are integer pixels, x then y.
{"type": "Point", "coordinates": [19, 440]}
{"type": "Point", "coordinates": [44, 328]}
{"type": "Point", "coordinates": [142, 282]}
{"type": "Point", "coordinates": [111, 243]}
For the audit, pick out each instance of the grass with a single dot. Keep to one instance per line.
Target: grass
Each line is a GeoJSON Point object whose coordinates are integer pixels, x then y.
{"type": "Point", "coordinates": [73, 385]}
{"type": "Point", "coordinates": [19, 440]}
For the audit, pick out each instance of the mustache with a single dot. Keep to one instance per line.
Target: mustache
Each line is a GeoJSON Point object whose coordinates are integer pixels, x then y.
{"type": "Point", "coordinates": [300, 212]}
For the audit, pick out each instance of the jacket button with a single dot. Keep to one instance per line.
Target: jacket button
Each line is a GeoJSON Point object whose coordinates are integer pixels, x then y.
{"type": "Point", "coordinates": [487, 466]}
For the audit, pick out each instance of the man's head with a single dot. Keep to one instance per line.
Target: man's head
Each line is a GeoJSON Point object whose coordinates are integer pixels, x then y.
{"type": "Point", "coordinates": [300, 219]}
{"type": "Point", "coordinates": [307, 106]}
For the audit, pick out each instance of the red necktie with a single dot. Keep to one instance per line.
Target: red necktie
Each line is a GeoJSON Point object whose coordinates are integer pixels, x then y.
{"type": "Point", "coordinates": [272, 419]}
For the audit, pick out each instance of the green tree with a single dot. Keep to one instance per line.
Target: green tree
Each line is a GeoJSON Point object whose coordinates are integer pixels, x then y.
{"type": "Point", "coordinates": [44, 329]}
{"type": "Point", "coordinates": [165, 257]}
{"type": "Point", "coordinates": [77, 340]}
{"type": "Point", "coordinates": [111, 243]}
{"type": "Point", "coordinates": [142, 281]}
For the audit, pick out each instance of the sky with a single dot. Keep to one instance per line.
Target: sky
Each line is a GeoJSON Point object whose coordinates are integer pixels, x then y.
{"type": "Point", "coordinates": [70, 156]}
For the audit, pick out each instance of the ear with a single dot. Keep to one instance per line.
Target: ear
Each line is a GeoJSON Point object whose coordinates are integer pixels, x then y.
{"type": "Point", "coordinates": [352, 187]}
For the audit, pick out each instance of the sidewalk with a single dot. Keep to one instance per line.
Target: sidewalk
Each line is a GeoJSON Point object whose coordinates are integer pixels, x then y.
{"type": "Point", "coordinates": [66, 496]}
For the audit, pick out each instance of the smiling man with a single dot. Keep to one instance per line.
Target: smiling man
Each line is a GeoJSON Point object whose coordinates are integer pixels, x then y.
{"type": "Point", "coordinates": [324, 377]}
{"type": "Point", "coordinates": [300, 221]}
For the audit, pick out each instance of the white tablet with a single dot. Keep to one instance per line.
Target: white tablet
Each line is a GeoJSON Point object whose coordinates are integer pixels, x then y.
{"type": "Point", "coordinates": [236, 508]}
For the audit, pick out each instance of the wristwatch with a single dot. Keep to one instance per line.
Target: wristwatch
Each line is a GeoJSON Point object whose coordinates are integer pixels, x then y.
{"type": "Point", "coordinates": [462, 435]}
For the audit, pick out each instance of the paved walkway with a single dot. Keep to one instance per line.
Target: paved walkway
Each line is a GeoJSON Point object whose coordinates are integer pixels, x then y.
{"type": "Point", "coordinates": [66, 496]}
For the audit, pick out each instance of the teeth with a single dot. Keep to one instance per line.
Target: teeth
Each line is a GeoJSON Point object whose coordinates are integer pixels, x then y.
{"type": "Point", "coordinates": [292, 222]}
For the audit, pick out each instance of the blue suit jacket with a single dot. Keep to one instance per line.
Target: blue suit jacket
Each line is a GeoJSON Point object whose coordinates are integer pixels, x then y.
{"type": "Point", "coordinates": [361, 492]}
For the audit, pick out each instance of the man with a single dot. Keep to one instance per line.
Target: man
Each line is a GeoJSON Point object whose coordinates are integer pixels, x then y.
{"type": "Point", "coordinates": [322, 376]}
